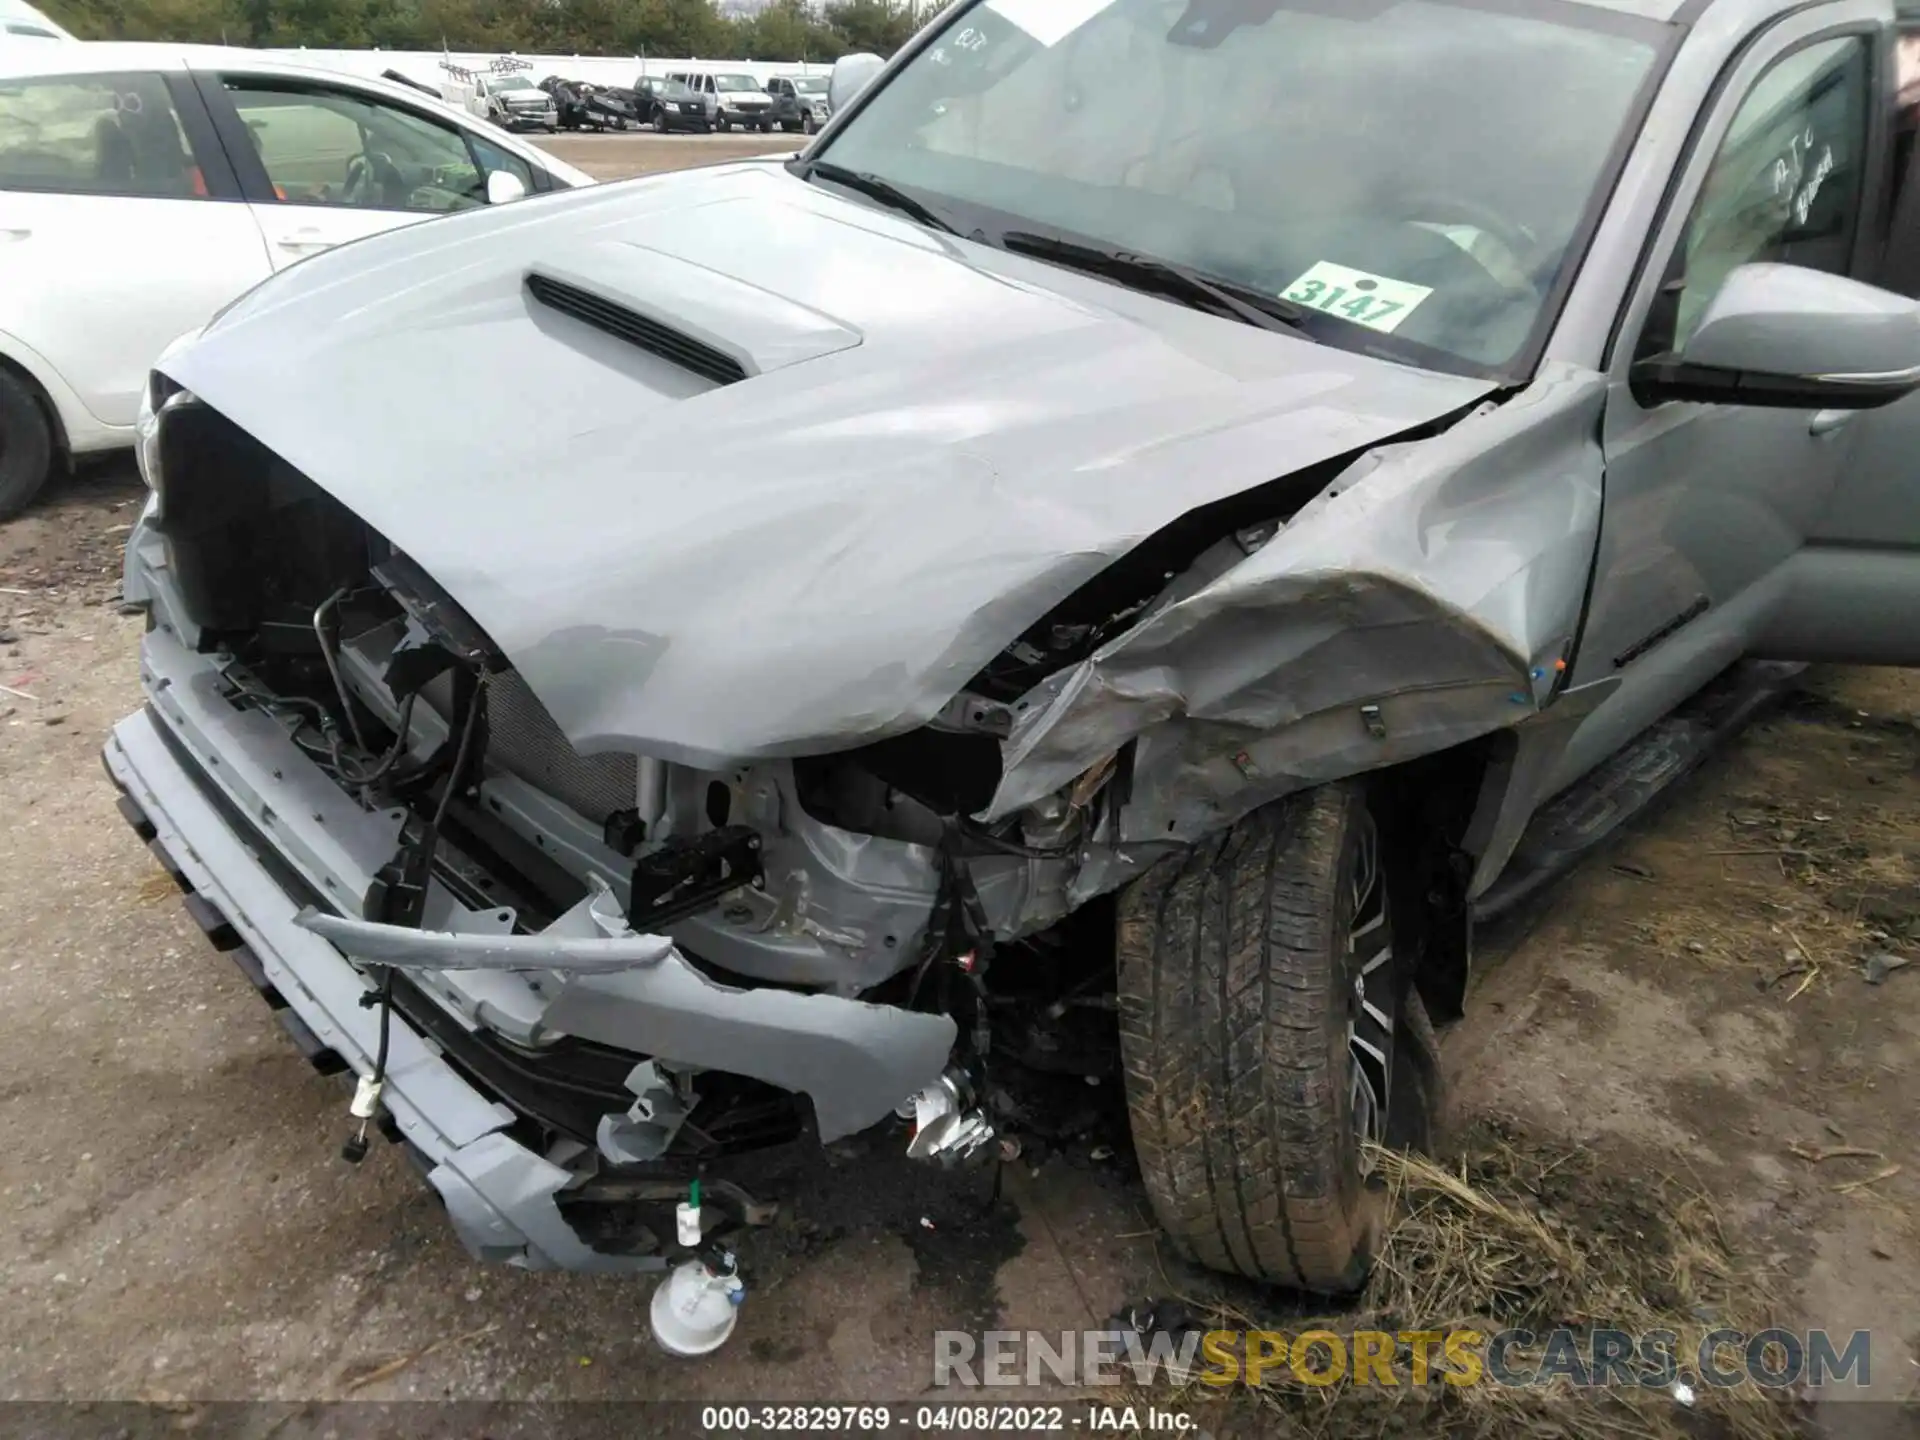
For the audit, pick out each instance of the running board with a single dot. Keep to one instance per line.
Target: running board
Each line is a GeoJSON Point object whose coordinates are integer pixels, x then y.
{"type": "Point", "coordinates": [1626, 787]}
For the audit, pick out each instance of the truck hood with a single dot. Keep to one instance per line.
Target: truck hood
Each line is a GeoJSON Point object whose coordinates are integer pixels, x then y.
{"type": "Point", "coordinates": [935, 443]}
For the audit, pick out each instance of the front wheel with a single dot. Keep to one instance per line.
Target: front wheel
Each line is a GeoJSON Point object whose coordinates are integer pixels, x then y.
{"type": "Point", "coordinates": [1270, 1042]}
{"type": "Point", "coordinates": [807, 125]}
{"type": "Point", "coordinates": [26, 447]}
{"type": "Point", "coordinates": [721, 124]}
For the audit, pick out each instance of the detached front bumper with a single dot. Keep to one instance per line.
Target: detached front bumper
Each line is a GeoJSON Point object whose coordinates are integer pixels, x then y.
{"type": "Point", "coordinates": [277, 860]}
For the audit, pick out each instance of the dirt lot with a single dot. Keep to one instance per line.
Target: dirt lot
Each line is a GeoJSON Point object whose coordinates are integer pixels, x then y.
{"type": "Point", "coordinates": [621, 157]}
{"type": "Point", "coordinates": [1697, 1092]}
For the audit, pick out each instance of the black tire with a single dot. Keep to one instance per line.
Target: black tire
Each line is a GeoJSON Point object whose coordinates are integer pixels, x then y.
{"type": "Point", "coordinates": [1250, 1048]}
{"type": "Point", "coordinates": [766, 127]}
{"type": "Point", "coordinates": [807, 125]}
{"type": "Point", "coordinates": [26, 447]}
{"type": "Point", "coordinates": [660, 124]}
{"type": "Point", "coordinates": [721, 124]}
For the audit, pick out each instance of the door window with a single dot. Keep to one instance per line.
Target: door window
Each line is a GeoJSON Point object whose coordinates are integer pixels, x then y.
{"type": "Point", "coordinates": [1903, 258]}
{"type": "Point", "coordinates": [95, 135]}
{"type": "Point", "coordinates": [1785, 186]}
{"type": "Point", "coordinates": [322, 146]}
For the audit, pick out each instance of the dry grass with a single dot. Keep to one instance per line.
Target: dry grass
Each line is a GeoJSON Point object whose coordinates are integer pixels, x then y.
{"type": "Point", "coordinates": [1795, 878]}
{"type": "Point", "coordinates": [1507, 1235]}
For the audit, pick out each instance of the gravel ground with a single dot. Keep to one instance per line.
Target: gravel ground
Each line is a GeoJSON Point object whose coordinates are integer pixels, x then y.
{"type": "Point", "coordinates": [621, 157]}
{"type": "Point", "coordinates": [178, 1224]}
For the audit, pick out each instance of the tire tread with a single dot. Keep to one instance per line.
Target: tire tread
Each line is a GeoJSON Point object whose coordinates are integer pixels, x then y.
{"type": "Point", "coordinates": [1230, 968]}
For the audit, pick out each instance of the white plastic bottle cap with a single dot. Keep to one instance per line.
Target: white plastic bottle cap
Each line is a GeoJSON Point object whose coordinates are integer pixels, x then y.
{"type": "Point", "coordinates": [686, 1219]}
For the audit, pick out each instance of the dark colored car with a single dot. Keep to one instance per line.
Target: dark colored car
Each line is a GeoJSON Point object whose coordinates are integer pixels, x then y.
{"type": "Point", "coordinates": [799, 102]}
{"type": "Point", "coordinates": [672, 105]}
{"type": "Point", "coordinates": [584, 106]}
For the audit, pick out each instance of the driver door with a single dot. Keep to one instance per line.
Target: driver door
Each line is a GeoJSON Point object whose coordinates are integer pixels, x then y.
{"type": "Point", "coordinates": [1855, 589]}
{"type": "Point", "coordinates": [324, 164]}
{"type": "Point", "coordinates": [1709, 507]}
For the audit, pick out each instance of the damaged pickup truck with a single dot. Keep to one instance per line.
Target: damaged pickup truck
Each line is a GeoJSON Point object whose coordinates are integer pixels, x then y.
{"type": "Point", "coordinates": [1246, 486]}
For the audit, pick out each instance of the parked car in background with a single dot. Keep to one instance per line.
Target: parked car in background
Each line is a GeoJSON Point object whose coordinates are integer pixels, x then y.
{"type": "Point", "coordinates": [22, 21]}
{"type": "Point", "coordinates": [142, 187]}
{"type": "Point", "coordinates": [513, 102]}
{"type": "Point", "coordinates": [737, 96]}
{"type": "Point", "coordinates": [570, 107]}
{"type": "Point", "coordinates": [674, 105]}
{"type": "Point", "coordinates": [582, 105]}
{"type": "Point", "coordinates": [799, 102]}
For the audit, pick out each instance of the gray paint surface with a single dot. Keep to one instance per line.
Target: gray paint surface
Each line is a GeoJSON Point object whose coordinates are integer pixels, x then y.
{"type": "Point", "coordinates": [939, 442]}
{"type": "Point", "coordinates": [819, 556]}
{"type": "Point", "coordinates": [1439, 580]}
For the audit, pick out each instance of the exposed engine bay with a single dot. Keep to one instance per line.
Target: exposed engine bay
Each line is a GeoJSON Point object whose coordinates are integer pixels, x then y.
{"type": "Point", "coordinates": [683, 823]}
{"type": "Point", "coordinates": [564, 925]}
{"type": "Point", "coordinates": [859, 875]}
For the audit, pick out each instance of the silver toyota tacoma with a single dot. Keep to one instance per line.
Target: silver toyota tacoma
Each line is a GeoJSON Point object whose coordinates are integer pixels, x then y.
{"type": "Point", "coordinates": [1167, 510]}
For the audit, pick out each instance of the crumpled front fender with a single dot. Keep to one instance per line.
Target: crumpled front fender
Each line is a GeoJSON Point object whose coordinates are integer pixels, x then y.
{"type": "Point", "coordinates": [1427, 597]}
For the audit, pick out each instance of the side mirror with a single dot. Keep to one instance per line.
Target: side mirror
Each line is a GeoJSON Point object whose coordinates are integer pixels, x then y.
{"type": "Point", "coordinates": [851, 74]}
{"type": "Point", "coordinates": [1789, 338]}
{"type": "Point", "coordinates": [504, 187]}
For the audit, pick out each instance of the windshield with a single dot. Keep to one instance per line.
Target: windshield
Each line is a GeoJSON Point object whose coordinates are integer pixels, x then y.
{"type": "Point", "coordinates": [735, 82]}
{"type": "Point", "coordinates": [513, 82]}
{"type": "Point", "coordinates": [810, 84]}
{"type": "Point", "coordinates": [1413, 176]}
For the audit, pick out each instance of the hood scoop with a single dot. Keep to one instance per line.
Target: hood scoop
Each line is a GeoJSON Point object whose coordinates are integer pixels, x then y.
{"type": "Point", "coordinates": [631, 326]}
{"type": "Point", "coordinates": [712, 325]}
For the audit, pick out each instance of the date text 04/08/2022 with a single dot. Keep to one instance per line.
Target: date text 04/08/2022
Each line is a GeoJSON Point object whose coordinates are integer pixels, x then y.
{"type": "Point", "coordinates": [961, 1419]}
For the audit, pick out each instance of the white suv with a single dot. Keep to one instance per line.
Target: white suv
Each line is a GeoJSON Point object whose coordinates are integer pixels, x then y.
{"type": "Point", "coordinates": [142, 187]}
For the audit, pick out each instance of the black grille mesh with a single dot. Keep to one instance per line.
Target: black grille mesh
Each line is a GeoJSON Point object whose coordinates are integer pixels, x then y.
{"type": "Point", "coordinates": [636, 329]}
{"type": "Point", "coordinates": [523, 739]}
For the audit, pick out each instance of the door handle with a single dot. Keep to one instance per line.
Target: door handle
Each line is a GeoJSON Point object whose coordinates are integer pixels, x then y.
{"type": "Point", "coordinates": [1828, 421]}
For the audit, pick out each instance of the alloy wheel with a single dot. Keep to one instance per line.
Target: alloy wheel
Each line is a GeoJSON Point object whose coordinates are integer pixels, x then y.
{"type": "Point", "coordinates": [1372, 1002]}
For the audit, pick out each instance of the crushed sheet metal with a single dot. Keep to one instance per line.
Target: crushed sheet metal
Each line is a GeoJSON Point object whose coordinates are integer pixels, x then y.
{"type": "Point", "coordinates": [798, 564]}
{"type": "Point", "coordinates": [856, 1060]}
{"type": "Point", "coordinates": [1437, 581]}
{"type": "Point", "coordinates": [408, 949]}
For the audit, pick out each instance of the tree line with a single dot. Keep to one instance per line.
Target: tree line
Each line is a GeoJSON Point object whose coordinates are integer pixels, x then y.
{"type": "Point", "coordinates": [784, 30]}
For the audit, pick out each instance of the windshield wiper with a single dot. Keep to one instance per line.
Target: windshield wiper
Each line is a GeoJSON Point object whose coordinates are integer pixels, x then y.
{"type": "Point", "coordinates": [1162, 277]}
{"type": "Point", "coordinates": [885, 191]}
